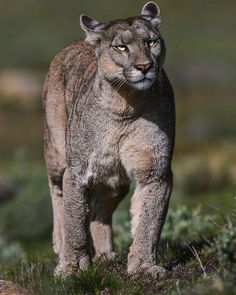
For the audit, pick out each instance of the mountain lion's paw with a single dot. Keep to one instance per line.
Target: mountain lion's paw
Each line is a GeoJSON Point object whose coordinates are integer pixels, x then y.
{"type": "Point", "coordinates": [157, 272]}
{"type": "Point", "coordinates": [65, 269]}
{"type": "Point", "coordinates": [106, 256]}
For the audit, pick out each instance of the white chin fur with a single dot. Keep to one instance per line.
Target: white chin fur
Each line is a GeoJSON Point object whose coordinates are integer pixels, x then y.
{"type": "Point", "coordinates": [143, 84]}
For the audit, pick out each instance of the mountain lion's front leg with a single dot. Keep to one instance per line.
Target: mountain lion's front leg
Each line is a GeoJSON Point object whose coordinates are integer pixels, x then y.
{"type": "Point", "coordinates": [149, 209]}
{"type": "Point", "coordinates": [76, 215]}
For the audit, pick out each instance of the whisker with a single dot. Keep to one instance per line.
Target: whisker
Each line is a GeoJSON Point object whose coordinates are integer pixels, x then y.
{"type": "Point", "coordinates": [121, 84]}
{"type": "Point", "coordinates": [118, 85]}
{"type": "Point", "coordinates": [116, 82]}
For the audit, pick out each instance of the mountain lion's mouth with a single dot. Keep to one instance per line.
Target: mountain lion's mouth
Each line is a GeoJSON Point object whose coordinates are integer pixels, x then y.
{"type": "Point", "coordinates": [142, 84]}
{"type": "Point", "coordinates": [143, 80]}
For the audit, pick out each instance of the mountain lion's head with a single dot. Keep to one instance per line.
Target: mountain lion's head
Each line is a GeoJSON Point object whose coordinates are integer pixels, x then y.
{"type": "Point", "coordinates": [129, 51]}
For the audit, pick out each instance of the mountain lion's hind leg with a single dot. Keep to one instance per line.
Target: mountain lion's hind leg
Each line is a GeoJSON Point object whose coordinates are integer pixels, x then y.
{"type": "Point", "coordinates": [57, 205]}
{"type": "Point", "coordinates": [106, 201]}
{"type": "Point", "coordinates": [58, 217]}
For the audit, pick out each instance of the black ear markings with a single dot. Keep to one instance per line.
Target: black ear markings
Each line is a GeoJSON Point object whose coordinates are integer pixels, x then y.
{"type": "Point", "coordinates": [151, 12]}
{"type": "Point", "coordinates": [92, 28]}
{"type": "Point", "coordinates": [90, 25]}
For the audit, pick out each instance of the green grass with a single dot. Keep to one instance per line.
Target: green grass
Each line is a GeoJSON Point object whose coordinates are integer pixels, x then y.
{"type": "Point", "coordinates": [193, 266]}
{"type": "Point", "coordinates": [190, 249]}
{"type": "Point", "coordinates": [102, 278]}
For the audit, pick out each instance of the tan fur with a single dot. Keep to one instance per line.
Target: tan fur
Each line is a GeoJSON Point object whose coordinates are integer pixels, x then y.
{"type": "Point", "coordinates": [136, 210]}
{"type": "Point", "coordinates": [106, 124]}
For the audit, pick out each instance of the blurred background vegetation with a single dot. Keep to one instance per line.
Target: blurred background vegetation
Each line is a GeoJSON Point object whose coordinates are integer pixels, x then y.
{"type": "Point", "coordinates": [201, 63]}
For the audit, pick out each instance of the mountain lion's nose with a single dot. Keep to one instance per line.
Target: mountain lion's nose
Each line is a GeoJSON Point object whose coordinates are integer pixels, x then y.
{"type": "Point", "coordinates": [143, 67]}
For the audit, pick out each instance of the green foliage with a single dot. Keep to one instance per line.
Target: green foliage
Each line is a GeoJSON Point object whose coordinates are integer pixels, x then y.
{"type": "Point", "coordinates": [224, 245]}
{"type": "Point", "coordinates": [28, 216]}
{"type": "Point", "coordinates": [99, 279]}
{"type": "Point", "coordinates": [184, 225]}
{"type": "Point", "coordinates": [33, 203]}
{"type": "Point", "coordinates": [10, 252]}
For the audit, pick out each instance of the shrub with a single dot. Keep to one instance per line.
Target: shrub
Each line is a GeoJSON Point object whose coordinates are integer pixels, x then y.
{"type": "Point", "coordinates": [184, 224]}
{"type": "Point", "coordinates": [224, 245]}
{"type": "Point", "coordinates": [27, 217]}
{"type": "Point", "coordinates": [10, 251]}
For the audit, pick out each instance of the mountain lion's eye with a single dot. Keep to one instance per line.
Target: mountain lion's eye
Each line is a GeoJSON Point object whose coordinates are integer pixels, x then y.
{"type": "Point", "coordinates": [121, 48]}
{"type": "Point", "coordinates": [151, 43]}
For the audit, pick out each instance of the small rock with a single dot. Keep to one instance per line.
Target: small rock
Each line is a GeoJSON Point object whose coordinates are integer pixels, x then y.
{"type": "Point", "coordinates": [8, 288]}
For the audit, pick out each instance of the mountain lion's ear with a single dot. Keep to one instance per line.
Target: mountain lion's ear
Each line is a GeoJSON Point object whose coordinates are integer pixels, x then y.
{"type": "Point", "coordinates": [92, 28]}
{"type": "Point", "coordinates": [151, 12]}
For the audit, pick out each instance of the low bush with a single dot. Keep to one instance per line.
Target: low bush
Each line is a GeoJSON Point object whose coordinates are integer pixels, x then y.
{"type": "Point", "coordinates": [223, 247]}
{"type": "Point", "coordinates": [184, 224]}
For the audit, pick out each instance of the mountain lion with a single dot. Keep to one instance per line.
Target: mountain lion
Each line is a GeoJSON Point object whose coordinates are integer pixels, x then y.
{"type": "Point", "coordinates": [109, 119]}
